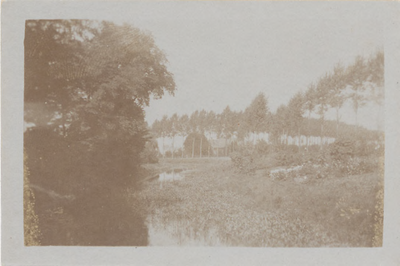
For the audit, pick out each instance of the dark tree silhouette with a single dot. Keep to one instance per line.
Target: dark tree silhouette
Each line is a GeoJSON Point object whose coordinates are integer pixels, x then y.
{"type": "Point", "coordinates": [86, 84]}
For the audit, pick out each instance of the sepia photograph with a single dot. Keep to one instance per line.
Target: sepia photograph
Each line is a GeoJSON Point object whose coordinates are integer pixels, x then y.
{"type": "Point", "coordinates": [248, 131]}
{"type": "Point", "coordinates": [278, 150]}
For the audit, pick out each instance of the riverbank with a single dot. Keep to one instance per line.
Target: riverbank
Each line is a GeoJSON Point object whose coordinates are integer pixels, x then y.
{"type": "Point", "coordinates": [213, 205]}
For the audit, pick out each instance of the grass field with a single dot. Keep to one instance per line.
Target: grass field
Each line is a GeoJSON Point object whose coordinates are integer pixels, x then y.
{"type": "Point", "coordinates": [215, 205]}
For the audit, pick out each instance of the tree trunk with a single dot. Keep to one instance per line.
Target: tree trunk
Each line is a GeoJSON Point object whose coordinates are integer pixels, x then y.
{"type": "Point", "coordinates": [201, 146]}
{"type": "Point", "coordinates": [193, 147]}
{"type": "Point", "coordinates": [173, 148]}
{"type": "Point", "coordinates": [337, 123]}
{"type": "Point", "coordinates": [322, 133]}
{"type": "Point", "coordinates": [254, 140]}
{"type": "Point", "coordinates": [286, 138]}
{"type": "Point", "coordinates": [163, 147]}
{"type": "Point", "coordinates": [298, 138]}
{"type": "Point", "coordinates": [226, 147]}
{"type": "Point", "coordinates": [356, 111]}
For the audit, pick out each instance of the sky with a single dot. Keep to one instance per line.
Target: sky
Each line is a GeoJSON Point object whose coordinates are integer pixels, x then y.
{"type": "Point", "coordinates": [220, 62]}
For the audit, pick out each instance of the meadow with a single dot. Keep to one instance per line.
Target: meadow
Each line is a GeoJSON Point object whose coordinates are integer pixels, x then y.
{"type": "Point", "coordinates": [214, 204]}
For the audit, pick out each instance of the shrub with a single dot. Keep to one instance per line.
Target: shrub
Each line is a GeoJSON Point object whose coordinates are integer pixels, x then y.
{"type": "Point", "coordinates": [150, 152]}
{"type": "Point", "coordinates": [346, 147]}
{"type": "Point", "coordinates": [243, 161]}
{"type": "Point", "coordinates": [314, 148]}
{"type": "Point", "coordinates": [342, 150]}
{"type": "Point", "coordinates": [328, 167]}
{"type": "Point", "coordinates": [288, 158]}
{"type": "Point", "coordinates": [292, 148]}
{"type": "Point", "coordinates": [353, 166]}
{"type": "Point", "coordinates": [262, 147]}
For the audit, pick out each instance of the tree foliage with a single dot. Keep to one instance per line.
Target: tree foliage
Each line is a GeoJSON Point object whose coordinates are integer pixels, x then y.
{"type": "Point", "coordinates": [257, 114]}
{"type": "Point", "coordinates": [357, 76]}
{"type": "Point", "coordinates": [195, 143]}
{"type": "Point", "coordinates": [358, 83]}
{"type": "Point", "coordinates": [295, 112]}
{"type": "Point", "coordinates": [86, 83]}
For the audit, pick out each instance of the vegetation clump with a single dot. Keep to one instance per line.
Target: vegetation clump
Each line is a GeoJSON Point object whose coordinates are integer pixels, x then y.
{"type": "Point", "coordinates": [258, 211]}
{"type": "Point", "coordinates": [150, 152]}
{"type": "Point", "coordinates": [85, 97]}
{"type": "Point", "coordinates": [196, 144]}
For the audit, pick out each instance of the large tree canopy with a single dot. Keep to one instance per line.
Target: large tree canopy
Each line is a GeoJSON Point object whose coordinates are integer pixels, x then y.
{"type": "Point", "coordinates": [96, 75]}
{"type": "Point", "coordinates": [86, 83]}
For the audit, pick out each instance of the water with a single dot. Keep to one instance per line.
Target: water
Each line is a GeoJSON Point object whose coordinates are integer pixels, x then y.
{"type": "Point", "coordinates": [179, 233]}
{"type": "Point", "coordinates": [172, 175]}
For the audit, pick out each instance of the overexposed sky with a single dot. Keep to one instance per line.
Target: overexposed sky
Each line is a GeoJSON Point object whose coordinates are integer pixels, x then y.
{"type": "Point", "coordinates": [220, 62]}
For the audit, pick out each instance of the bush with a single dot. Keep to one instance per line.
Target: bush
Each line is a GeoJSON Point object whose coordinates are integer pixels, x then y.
{"type": "Point", "coordinates": [288, 158]}
{"type": "Point", "coordinates": [243, 161]}
{"type": "Point", "coordinates": [342, 150]}
{"type": "Point", "coordinates": [342, 158]}
{"type": "Point", "coordinates": [314, 148]}
{"type": "Point", "coordinates": [354, 166]}
{"type": "Point", "coordinates": [262, 147]}
{"type": "Point", "coordinates": [292, 148]}
{"type": "Point", "coordinates": [345, 148]}
{"type": "Point", "coordinates": [352, 157]}
{"type": "Point", "coordinates": [150, 152]}
{"type": "Point", "coordinates": [328, 168]}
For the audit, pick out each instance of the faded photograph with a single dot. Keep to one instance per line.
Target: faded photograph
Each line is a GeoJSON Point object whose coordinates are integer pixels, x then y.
{"type": "Point", "coordinates": [230, 133]}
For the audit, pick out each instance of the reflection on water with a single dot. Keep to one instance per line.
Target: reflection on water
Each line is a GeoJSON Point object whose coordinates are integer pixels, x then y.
{"type": "Point", "coordinates": [172, 175]}
{"type": "Point", "coordinates": [179, 233]}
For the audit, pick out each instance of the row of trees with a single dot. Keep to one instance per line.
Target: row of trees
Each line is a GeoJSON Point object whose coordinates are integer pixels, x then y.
{"type": "Point", "coordinates": [359, 83]}
{"type": "Point", "coordinates": [86, 83]}
{"type": "Point", "coordinates": [201, 122]}
{"type": "Point", "coordinates": [214, 126]}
